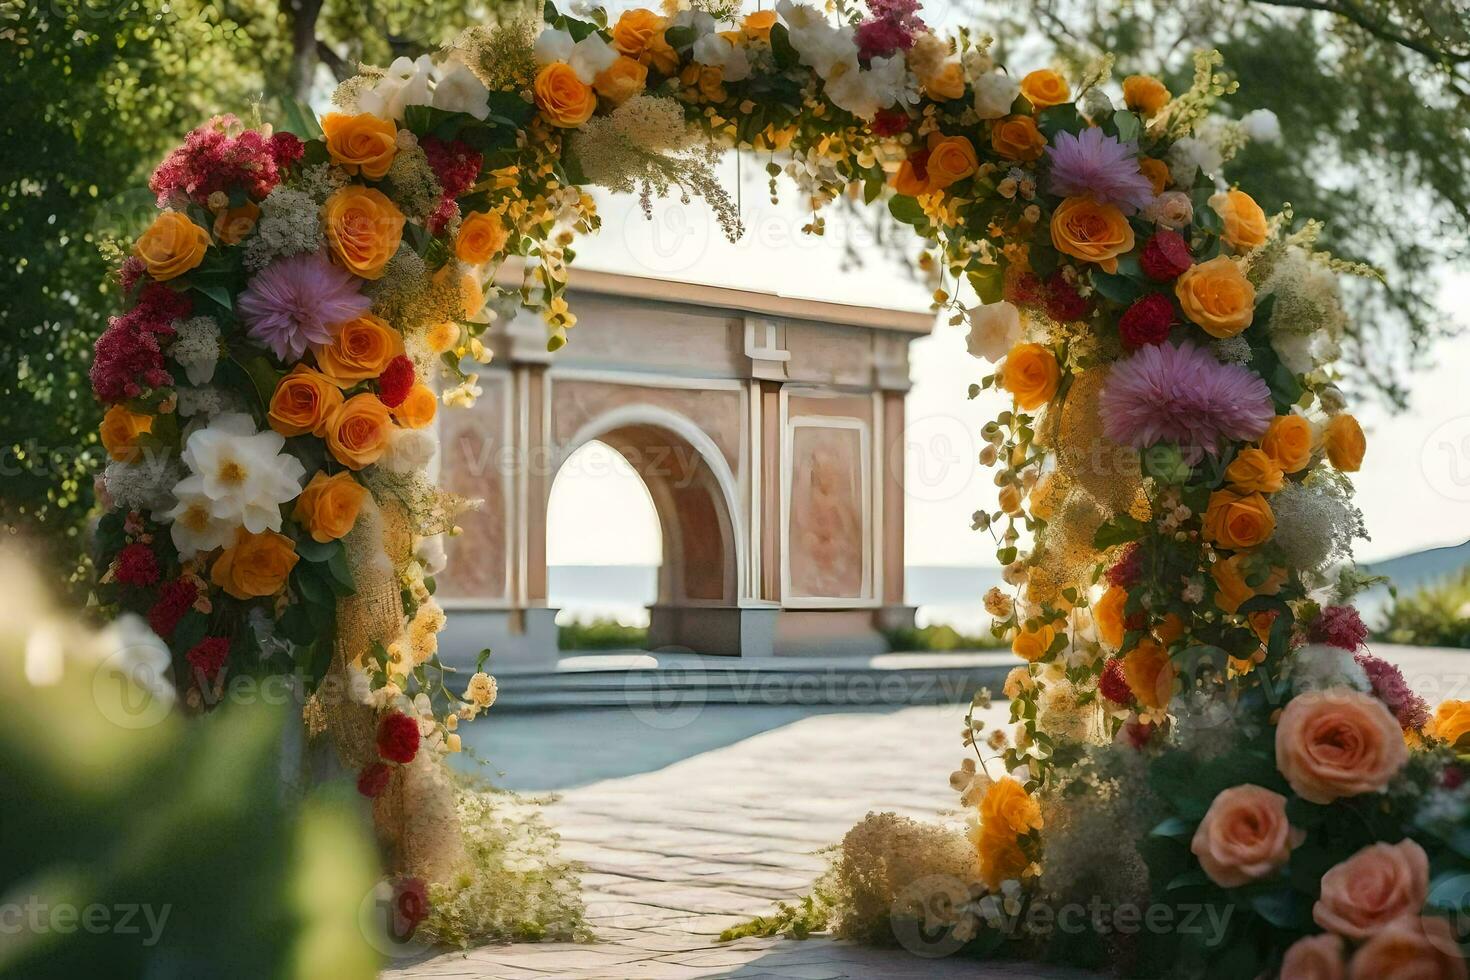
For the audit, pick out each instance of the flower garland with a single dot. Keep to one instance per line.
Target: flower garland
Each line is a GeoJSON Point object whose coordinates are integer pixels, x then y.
{"type": "Point", "coordinates": [1173, 474]}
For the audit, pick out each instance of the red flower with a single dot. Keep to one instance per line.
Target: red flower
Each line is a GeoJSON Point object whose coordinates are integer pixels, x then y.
{"type": "Point", "coordinates": [373, 780]}
{"type": "Point", "coordinates": [881, 39]}
{"type": "Point", "coordinates": [1148, 321]}
{"type": "Point", "coordinates": [286, 149]}
{"type": "Point", "coordinates": [1453, 777]}
{"type": "Point", "coordinates": [175, 599]}
{"type": "Point", "coordinates": [1338, 626]}
{"type": "Point", "coordinates": [1166, 256]}
{"type": "Point", "coordinates": [456, 164]}
{"type": "Point", "coordinates": [890, 122]}
{"type": "Point", "coordinates": [1112, 685]}
{"type": "Point", "coordinates": [128, 358]}
{"type": "Point", "coordinates": [1023, 290]}
{"type": "Point", "coordinates": [398, 738]}
{"type": "Point", "coordinates": [212, 160]}
{"type": "Point", "coordinates": [137, 565]}
{"type": "Point", "coordinates": [209, 656]}
{"type": "Point", "coordinates": [1063, 302]}
{"type": "Point", "coordinates": [410, 906]}
{"type": "Point", "coordinates": [1127, 570]}
{"type": "Point", "coordinates": [396, 380]}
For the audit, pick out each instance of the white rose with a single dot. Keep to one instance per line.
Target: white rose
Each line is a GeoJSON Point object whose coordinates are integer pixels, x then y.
{"type": "Point", "coordinates": [591, 57]}
{"type": "Point", "coordinates": [405, 83]}
{"type": "Point", "coordinates": [1189, 156]}
{"type": "Point", "coordinates": [1171, 209]}
{"type": "Point", "coordinates": [459, 90]}
{"type": "Point", "coordinates": [994, 330]}
{"type": "Point", "coordinates": [994, 94]}
{"type": "Point", "coordinates": [553, 45]}
{"type": "Point", "coordinates": [409, 450]}
{"type": "Point", "coordinates": [717, 52]}
{"type": "Point", "coordinates": [1294, 349]}
{"type": "Point", "coordinates": [430, 553]}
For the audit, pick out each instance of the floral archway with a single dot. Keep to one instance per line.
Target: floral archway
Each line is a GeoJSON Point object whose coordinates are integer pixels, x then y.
{"type": "Point", "coordinates": [1173, 474]}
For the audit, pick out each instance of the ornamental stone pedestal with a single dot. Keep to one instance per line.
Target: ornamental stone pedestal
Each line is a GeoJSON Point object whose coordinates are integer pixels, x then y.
{"type": "Point", "coordinates": [770, 435]}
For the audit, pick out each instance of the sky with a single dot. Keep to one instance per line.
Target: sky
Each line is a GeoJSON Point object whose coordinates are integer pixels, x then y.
{"type": "Point", "coordinates": [1414, 489]}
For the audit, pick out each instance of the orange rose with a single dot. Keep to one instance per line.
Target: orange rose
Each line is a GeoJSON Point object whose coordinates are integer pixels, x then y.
{"type": "Point", "coordinates": [704, 81]}
{"type": "Point", "coordinates": [1092, 232]}
{"type": "Point", "coordinates": [757, 26]}
{"type": "Point", "coordinates": [1217, 296]}
{"type": "Point", "coordinates": [999, 853]}
{"type": "Point", "coordinates": [1230, 579]}
{"type": "Point", "coordinates": [1008, 807]}
{"type": "Point", "coordinates": [363, 143]}
{"type": "Point", "coordinates": [912, 178]}
{"type": "Point", "coordinates": [417, 410]}
{"type": "Point", "coordinates": [1044, 88]}
{"type": "Point", "coordinates": [1108, 615]}
{"type": "Point", "coordinates": [1017, 138]}
{"type": "Point", "coordinates": [1150, 673]}
{"type": "Point", "coordinates": [1288, 441]}
{"type": "Point", "coordinates": [357, 433]}
{"type": "Point", "coordinates": [1145, 94]}
{"type": "Point", "coordinates": [329, 505]}
{"type": "Point", "coordinates": [1157, 172]}
{"type": "Point", "coordinates": [1244, 836]}
{"type": "Point", "coordinates": [1314, 958]}
{"type": "Point", "coordinates": [120, 431]}
{"type": "Point", "coordinates": [563, 98]}
{"type": "Point", "coordinates": [622, 80]}
{"type": "Point", "coordinates": [364, 229]}
{"type": "Point", "coordinates": [1345, 443]}
{"type": "Point", "coordinates": [171, 246]}
{"type": "Point", "coordinates": [951, 159]}
{"type": "Point", "coordinates": [231, 225]}
{"type": "Point", "coordinates": [1238, 521]}
{"type": "Point", "coordinates": [1245, 222]}
{"type": "Point", "coordinates": [1336, 743]}
{"type": "Point", "coordinates": [360, 350]}
{"type": "Point", "coordinates": [1254, 471]}
{"type": "Point", "coordinates": [1410, 949]}
{"type": "Point", "coordinates": [256, 565]}
{"type": "Point", "coordinates": [1451, 722]}
{"type": "Point", "coordinates": [1031, 644]}
{"type": "Point", "coordinates": [1010, 499]}
{"type": "Point", "coordinates": [1375, 886]}
{"type": "Point", "coordinates": [302, 403]}
{"type": "Point", "coordinates": [639, 34]}
{"type": "Point", "coordinates": [1031, 374]}
{"type": "Point", "coordinates": [481, 237]}
{"type": "Point", "coordinates": [948, 84]}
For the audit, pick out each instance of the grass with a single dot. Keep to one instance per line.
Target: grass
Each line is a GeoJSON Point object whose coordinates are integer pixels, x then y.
{"type": "Point", "coordinates": [1436, 615]}
{"type": "Point", "coordinates": [602, 634]}
{"type": "Point", "coordinates": [940, 639]}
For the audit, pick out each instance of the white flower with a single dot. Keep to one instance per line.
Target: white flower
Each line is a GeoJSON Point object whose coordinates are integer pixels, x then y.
{"type": "Point", "coordinates": [977, 63]}
{"type": "Point", "coordinates": [994, 329]}
{"type": "Point", "coordinates": [994, 94]}
{"type": "Point", "coordinates": [405, 83]}
{"type": "Point", "coordinates": [458, 90]}
{"type": "Point", "coordinates": [481, 690]}
{"type": "Point", "coordinates": [143, 484]}
{"type": "Point", "coordinates": [553, 45]}
{"type": "Point", "coordinates": [359, 685]}
{"type": "Point", "coordinates": [1262, 126]}
{"type": "Point", "coordinates": [242, 472]}
{"type": "Point", "coordinates": [717, 52]}
{"type": "Point", "coordinates": [702, 22]}
{"type": "Point", "coordinates": [430, 553]}
{"type": "Point", "coordinates": [819, 45]}
{"type": "Point", "coordinates": [1171, 209]}
{"type": "Point", "coordinates": [1318, 667]}
{"type": "Point", "coordinates": [132, 649]}
{"type": "Point", "coordinates": [1096, 105]}
{"type": "Point", "coordinates": [1294, 349]}
{"type": "Point", "coordinates": [409, 450]}
{"type": "Point", "coordinates": [588, 57]}
{"type": "Point", "coordinates": [193, 526]}
{"type": "Point", "coordinates": [1191, 155]}
{"type": "Point", "coordinates": [1333, 401]}
{"type": "Point", "coordinates": [196, 348]}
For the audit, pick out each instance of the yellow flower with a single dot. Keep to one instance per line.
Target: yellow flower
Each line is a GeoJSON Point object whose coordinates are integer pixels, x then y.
{"type": "Point", "coordinates": [357, 433]}
{"type": "Point", "coordinates": [302, 402]}
{"type": "Point", "coordinates": [1044, 88]}
{"type": "Point", "coordinates": [757, 26]}
{"type": "Point", "coordinates": [364, 229]}
{"type": "Point", "coordinates": [481, 237]}
{"type": "Point", "coordinates": [1107, 613]}
{"type": "Point", "coordinates": [947, 84]}
{"type": "Point", "coordinates": [360, 350]}
{"type": "Point", "coordinates": [1008, 807]}
{"type": "Point", "coordinates": [1345, 443]}
{"type": "Point", "coordinates": [442, 337]}
{"type": "Point", "coordinates": [1150, 673]}
{"type": "Point", "coordinates": [639, 34]}
{"type": "Point", "coordinates": [622, 80]}
{"type": "Point", "coordinates": [1245, 222]}
{"type": "Point", "coordinates": [361, 143]}
{"type": "Point", "coordinates": [563, 98]}
{"type": "Point", "coordinates": [1017, 138]}
{"type": "Point", "coordinates": [1031, 374]}
{"type": "Point", "coordinates": [171, 246]}
{"type": "Point", "coordinates": [951, 160]}
{"type": "Point", "coordinates": [256, 565]}
{"type": "Point", "coordinates": [329, 505]}
{"type": "Point", "coordinates": [120, 431]}
{"type": "Point", "coordinates": [417, 410]}
{"type": "Point", "coordinates": [1032, 643]}
{"type": "Point", "coordinates": [1451, 722]}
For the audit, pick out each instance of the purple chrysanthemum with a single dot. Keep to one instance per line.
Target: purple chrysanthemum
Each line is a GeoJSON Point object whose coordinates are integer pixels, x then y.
{"type": "Point", "coordinates": [1182, 395]}
{"type": "Point", "coordinates": [1095, 164]}
{"type": "Point", "coordinates": [295, 301]}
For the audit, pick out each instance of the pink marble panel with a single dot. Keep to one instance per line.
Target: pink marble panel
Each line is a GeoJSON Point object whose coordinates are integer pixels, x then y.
{"type": "Point", "coordinates": [476, 462]}
{"type": "Point", "coordinates": [825, 529]}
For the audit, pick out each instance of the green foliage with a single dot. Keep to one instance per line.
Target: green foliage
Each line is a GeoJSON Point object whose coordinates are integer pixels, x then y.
{"type": "Point", "coordinates": [602, 634]}
{"type": "Point", "coordinates": [940, 639]}
{"type": "Point", "coordinates": [810, 915]}
{"type": "Point", "coordinates": [1437, 615]}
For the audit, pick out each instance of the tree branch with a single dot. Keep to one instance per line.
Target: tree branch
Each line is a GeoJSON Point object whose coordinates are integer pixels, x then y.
{"type": "Point", "coordinates": [1385, 32]}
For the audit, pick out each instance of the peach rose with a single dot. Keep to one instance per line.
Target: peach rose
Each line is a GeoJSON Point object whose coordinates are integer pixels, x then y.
{"type": "Point", "coordinates": [1288, 441]}
{"type": "Point", "coordinates": [329, 505]}
{"type": "Point", "coordinates": [171, 246]}
{"type": "Point", "coordinates": [1244, 836]}
{"type": "Point", "coordinates": [1092, 232]}
{"type": "Point", "coordinates": [1157, 172]}
{"type": "Point", "coordinates": [947, 84]}
{"type": "Point", "coordinates": [1245, 222]}
{"type": "Point", "coordinates": [563, 98]}
{"type": "Point", "coordinates": [364, 229]}
{"type": "Point", "coordinates": [1108, 615]}
{"type": "Point", "coordinates": [1145, 94]}
{"type": "Point", "coordinates": [481, 237]}
{"type": "Point", "coordinates": [1336, 743]}
{"type": "Point", "coordinates": [361, 143]}
{"type": "Point", "coordinates": [1253, 471]}
{"type": "Point", "coordinates": [1451, 722]}
{"type": "Point", "coordinates": [1238, 521]}
{"type": "Point", "coordinates": [360, 350]}
{"type": "Point", "coordinates": [1345, 443]}
{"type": "Point", "coordinates": [1315, 958]}
{"type": "Point", "coordinates": [757, 25]}
{"type": "Point", "coordinates": [256, 565]}
{"type": "Point", "coordinates": [1032, 643]}
{"type": "Point", "coordinates": [1375, 886]}
{"type": "Point", "coordinates": [639, 34]}
{"type": "Point", "coordinates": [951, 160]}
{"type": "Point", "coordinates": [1007, 806]}
{"type": "Point", "coordinates": [1044, 88]}
{"type": "Point", "coordinates": [231, 225]}
{"type": "Point", "coordinates": [1017, 138]}
{"type": "Point", "coordinates": [1217, 296]}
{"type": "Point", "coordinates": [120, 430]}
{"type": "Point", "coordinates": [357, 433]}
{"type": "Point", "coordinates": [417, 409]}
{"type": "Point", "coordinates": [1410, 949]}
{"type": "Point", "coordinates": [622, 80]}
{"type": "Point", "coordinates": [1031, 374]}
{"type": "Point", "coordinates": [303, 402]}
{"type": "Point", "coordinates": [1149, 673]}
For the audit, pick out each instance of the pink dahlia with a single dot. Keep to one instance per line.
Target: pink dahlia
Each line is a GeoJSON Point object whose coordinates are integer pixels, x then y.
{"type": "Point", "coordinates": [1182, 395]}
{"type": "Point", "coordinates": [1100, 166]}
{"type": "Point", "coordinates": [294, 302]}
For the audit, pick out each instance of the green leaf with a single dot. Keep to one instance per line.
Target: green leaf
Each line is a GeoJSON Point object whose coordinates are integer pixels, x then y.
{"type": "Point", "coordinates": [218, 295]}
{"type": "Point", "coordinates": [907, 210]}
{"type": "Point", "coordinates": [679, 38]}
{"type": "Point", "coordinates": [317, 551]}
{"type": "Point", "coordinates": [989, 283]}
{"type": "Point", "coordinates": [1060, 119]}
{"type": "Point", "coordinates": [342, 572]}
{"type": "Point", "coordinates": [1129, 126]}
{"type": "Point", "coordinates": [781, 47]}
{"type": "Point", "coordinates": [299, 120]}
{"type": "Point", "coordinates": [1120, 530]}
{"type": "Point", "coordinates": [1119, 289]}
{"type": "Point", "coordinates": [263, 377]}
